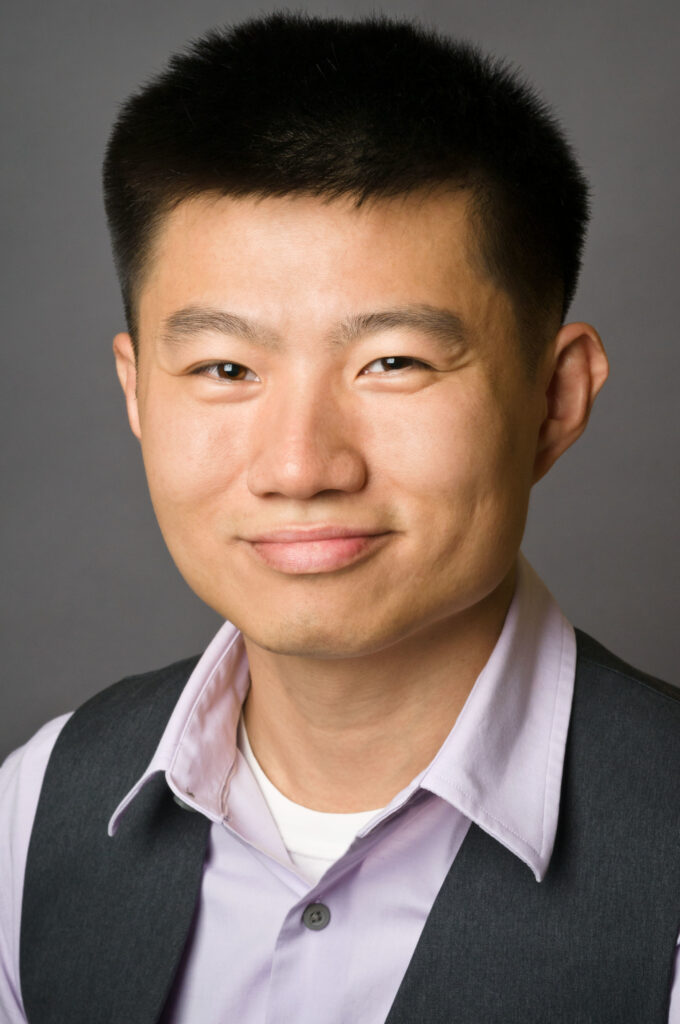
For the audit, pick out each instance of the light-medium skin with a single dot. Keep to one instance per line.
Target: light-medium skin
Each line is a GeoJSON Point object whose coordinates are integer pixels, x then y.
{"type": "Point", "coordinates": [265, 398]}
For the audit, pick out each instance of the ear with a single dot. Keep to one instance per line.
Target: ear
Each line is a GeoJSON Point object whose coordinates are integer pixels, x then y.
{"type": "Point", "coordinates": [126, 368]}
{"type": "Point", "coordinates": [576, 371]}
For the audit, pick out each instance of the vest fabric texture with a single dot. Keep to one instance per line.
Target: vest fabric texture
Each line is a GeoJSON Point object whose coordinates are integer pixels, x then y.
{"type": "Point", "coordinates": [105, 920]}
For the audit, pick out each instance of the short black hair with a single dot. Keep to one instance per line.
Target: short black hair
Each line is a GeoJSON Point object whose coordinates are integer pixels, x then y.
{"type": "Point", "coordinates": [289, 103]}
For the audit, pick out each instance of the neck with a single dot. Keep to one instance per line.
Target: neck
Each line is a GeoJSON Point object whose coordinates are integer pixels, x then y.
{"type": "Point", "coordinates": [347, 735]}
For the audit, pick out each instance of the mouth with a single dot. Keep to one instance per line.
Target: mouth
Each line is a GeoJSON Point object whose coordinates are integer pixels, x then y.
{"type": "Point", "coordinates": [314, 551]}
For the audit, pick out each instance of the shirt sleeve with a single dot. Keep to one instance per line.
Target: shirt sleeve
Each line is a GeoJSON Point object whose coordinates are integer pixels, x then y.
{"type": "Point", "coordinates": [21, 778]}
{"type": "Point", "coordinates": [674, 1008]}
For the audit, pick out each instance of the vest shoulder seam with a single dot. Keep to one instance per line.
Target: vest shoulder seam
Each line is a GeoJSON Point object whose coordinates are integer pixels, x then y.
{"type": "Point", "coordinates": [659, 687]}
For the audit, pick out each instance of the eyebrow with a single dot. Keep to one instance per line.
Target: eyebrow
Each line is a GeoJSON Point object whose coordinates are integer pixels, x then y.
{"type": "Point", "coordinates": [439, 323]}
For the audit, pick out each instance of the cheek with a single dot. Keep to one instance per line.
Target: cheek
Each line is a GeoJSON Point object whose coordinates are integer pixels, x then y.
{"type": "Point", "coordinates": [463, 465]}
{"type": "Point", "coordinates": [190, 455]}
{"type": "Point", "coordinates": [450, 447]}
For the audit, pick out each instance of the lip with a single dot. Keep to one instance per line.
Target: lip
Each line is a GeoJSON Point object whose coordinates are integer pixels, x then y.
{"type": "Point", "coordinates": [314, 550]}
{"type": "Point", "coordinates": [296, 534]}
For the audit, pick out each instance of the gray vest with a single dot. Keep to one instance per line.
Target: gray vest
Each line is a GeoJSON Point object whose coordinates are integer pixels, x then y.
{"type": "Point", "coordinates": [105, 921]}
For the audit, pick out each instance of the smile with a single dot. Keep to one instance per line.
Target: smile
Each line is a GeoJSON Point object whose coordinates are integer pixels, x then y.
{"type": "Point", "coordinates": [315, 556]}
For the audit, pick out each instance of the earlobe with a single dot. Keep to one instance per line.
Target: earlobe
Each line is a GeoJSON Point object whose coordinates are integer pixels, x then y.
{"type": "Point", "coordinates": [578, 369]}
{"type": "Point", "coordinates": [126, 368]}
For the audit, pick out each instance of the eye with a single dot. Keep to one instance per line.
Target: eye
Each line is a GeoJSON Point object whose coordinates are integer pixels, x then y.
{"type": "Point", "coordinates": [224, 371]}
{"type": "Point", "coordinates": [396, 363]}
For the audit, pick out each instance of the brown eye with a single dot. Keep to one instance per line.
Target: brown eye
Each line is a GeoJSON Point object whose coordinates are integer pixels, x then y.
{"type": "Point", "coordinates": [394, 363]}
{"type": "Point", "coordinates": [225, 371]}
{"type": "Point", "coordinates": [230, 371]}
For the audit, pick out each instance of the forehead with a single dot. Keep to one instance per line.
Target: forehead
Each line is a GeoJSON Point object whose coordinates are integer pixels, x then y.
{"type": "Point", "coordinates": [287, 260]}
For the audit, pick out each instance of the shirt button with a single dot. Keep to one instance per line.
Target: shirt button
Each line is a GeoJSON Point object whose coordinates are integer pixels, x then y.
{"type": "Point", "coordinates": [316, 916]}
{"type": "Point", "coordinates": [180, 803]}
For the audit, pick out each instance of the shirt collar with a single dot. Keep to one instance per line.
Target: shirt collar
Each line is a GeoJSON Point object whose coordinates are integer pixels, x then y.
{"type": "Point", "coordinates": [197, 751]}
{"type": "Point", "coordinates": [501, 764]}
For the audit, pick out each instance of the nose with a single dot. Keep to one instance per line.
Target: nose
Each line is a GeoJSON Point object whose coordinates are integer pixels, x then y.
{"type": "Point", "coordinates": [305, 441]}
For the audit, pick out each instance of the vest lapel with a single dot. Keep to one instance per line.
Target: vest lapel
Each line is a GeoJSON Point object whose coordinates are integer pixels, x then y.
{"type": "Point", "coordinates": [595, 939]}
{"type": "Point", "coordinates": [105, 919]}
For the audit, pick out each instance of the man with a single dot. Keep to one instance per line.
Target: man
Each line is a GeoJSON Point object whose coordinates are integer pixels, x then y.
{"type": "Point", "coordinates": [397, 785]}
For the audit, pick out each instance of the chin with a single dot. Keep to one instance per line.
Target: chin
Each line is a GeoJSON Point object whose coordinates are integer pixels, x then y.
{"type": "Point", "coordinates": [303, 636]}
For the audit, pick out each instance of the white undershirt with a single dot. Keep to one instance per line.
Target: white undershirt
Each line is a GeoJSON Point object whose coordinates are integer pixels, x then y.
{"type": "Point", "coordinates": [314, 839]}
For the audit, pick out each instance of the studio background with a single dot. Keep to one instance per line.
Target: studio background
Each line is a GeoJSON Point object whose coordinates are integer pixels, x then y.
{"type": "Point", "coordinates": [88, 591]}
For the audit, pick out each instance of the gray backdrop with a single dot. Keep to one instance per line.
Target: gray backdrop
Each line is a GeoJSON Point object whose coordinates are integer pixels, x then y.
{"type": "Point", "coordinates": [89, 592]}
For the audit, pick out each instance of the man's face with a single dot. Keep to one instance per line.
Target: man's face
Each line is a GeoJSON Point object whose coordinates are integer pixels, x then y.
{"type": "Point", "coordinates": [306, 421]}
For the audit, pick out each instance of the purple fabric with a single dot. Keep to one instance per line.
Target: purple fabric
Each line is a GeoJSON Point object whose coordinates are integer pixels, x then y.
{"type": "Point", "coordinates": [251, 958]}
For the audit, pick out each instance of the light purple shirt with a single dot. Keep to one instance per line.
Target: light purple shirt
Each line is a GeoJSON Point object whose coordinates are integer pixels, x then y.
{"type": "Point", "coordinates": [251, 959]}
